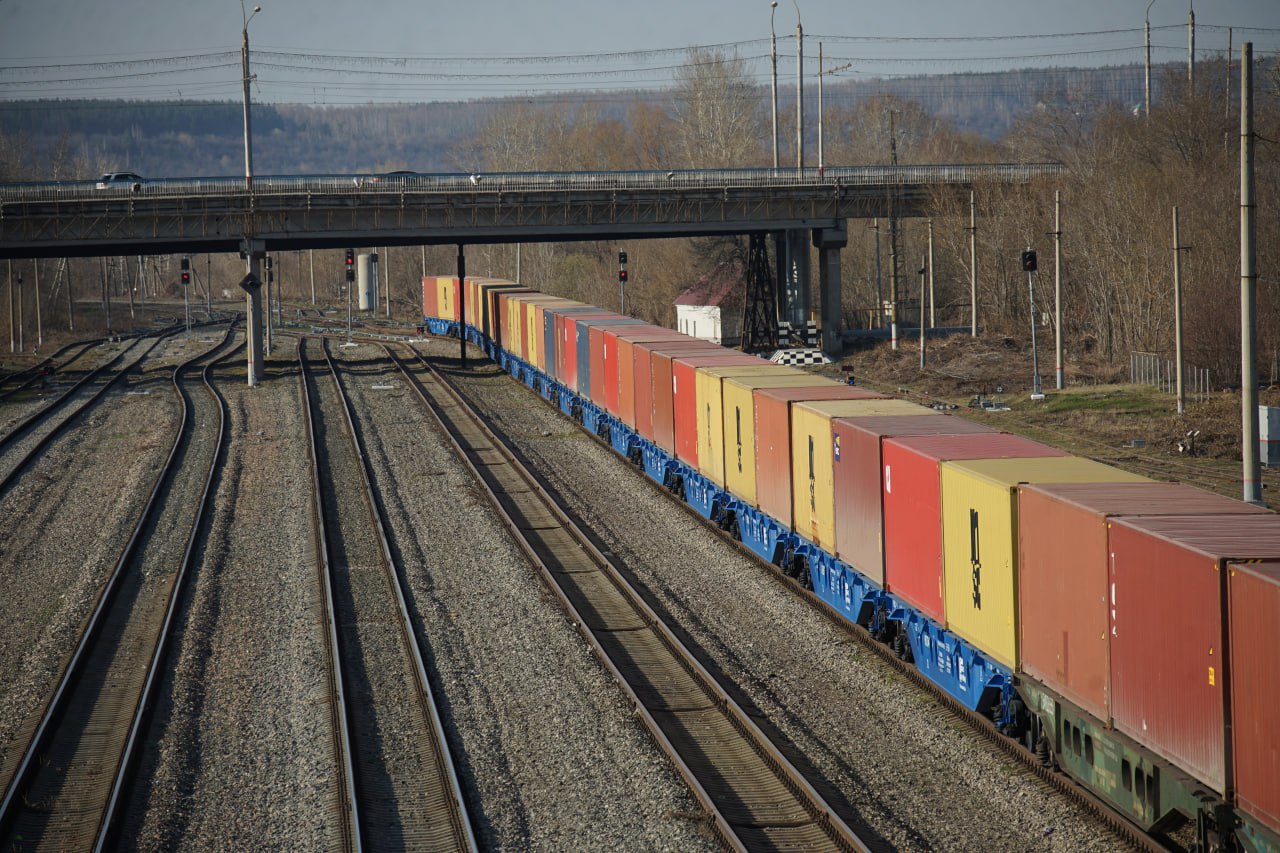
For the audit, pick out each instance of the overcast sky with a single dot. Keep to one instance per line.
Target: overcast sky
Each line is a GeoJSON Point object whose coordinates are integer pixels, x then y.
{"type": "Point", "coordinates": [355, 51]}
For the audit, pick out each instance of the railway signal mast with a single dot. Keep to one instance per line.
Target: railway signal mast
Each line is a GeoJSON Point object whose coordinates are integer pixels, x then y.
{"type": "Point", "coordinates": [622, 282]}
{"type": "Point", "coordinates": [351, 278]}
{"type": "Point", "coordinates": [1029, 264]}
{"type": "Point", "coordinates": [186, 285]}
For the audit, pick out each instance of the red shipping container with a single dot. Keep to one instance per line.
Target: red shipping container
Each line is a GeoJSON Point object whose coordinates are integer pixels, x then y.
{"type": "Point", "coordinates": [857, 477]}
{"type": "Point", "coordinates": [684, 396]}
{"type": "Point", "coordinates": [1169, 632]}
{"type": "Point", "coordinates": [773, 440]}
{"type": "Point", "coordinates": [569, 342]}
{"type": "Point", "coordinates": [913, 506]}
{"type": "Point", "coordinates": [661, 356]}
{"type": "Point", "coordinates": [615, 378]}
{"type": "Point", "coordinates": [1063, 576]}
{"type": "Point", "coordinates": [1255, 689]}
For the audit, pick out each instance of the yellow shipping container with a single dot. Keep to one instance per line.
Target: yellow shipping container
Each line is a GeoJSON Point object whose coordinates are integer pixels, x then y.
{"type": "Point", "coordinates": [812, 460]}
{"type": "Point", "coordinates": [979, 541]}
{"type": "Point", "coordinates": [446, 298]}
{"type": "Point", "coordinates": [518, 342]}
{"type": "Point", "coordinates": [740, 426]}
{"type": "Point", "coordinates": [710, 403]}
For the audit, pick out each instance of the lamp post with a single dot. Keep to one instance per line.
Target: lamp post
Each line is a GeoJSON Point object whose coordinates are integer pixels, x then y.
{"type": "Point", "coordinates": [773, 60]}
{"type": "Point", "coordinates": [799, 88]}
{"type": "Point", "coordinates": [246, 79]}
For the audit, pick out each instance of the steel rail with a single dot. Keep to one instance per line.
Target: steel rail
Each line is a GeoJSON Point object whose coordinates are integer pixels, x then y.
{"type": "Point", "coordinates": [461, 834]}
{"type": "Point", "coordinates": [19, 807]}
{"type": "Point", "coordinates": [346, 810]}
{"type": "Point", "coordinates": [27, 376]}
{"type": "Point", "coordinates": [690, 717]}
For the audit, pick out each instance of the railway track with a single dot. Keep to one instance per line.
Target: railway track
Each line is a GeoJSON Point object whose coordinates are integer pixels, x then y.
{"type": "Point", "coordinates": [62, 791]}
{"type": "Point", "coordinates": [399, 787]}
{"type": "Point", "coordinates": [20, 380]}
{"type": "Point", "coordinates": [24, 442]}
{"type": "Point", "coordinates": [754, 797]}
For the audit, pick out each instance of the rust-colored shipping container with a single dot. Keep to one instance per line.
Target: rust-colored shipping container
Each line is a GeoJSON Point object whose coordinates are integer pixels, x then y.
{"type": "Point", "coordinates": [615, 377]}
{"type": "Point", "coordinates": [684, 396]}
{"type": "Point", "coordinates": [1063, 576]}
{"type": "Point", "coordinates": [663, 420]}
{"type": "Point", "coordinates": [773, 440]}
{"type": "Point", "coordinates": [429, 308]}
{"type": "Point", "coordinates": [1169, 631]}
{"type": "Point", "coordinates": [1255, 688]}
{"type": "Point", "coordinates": [913, 506]}
{"type": "Point", "coordinates": [858, 477]}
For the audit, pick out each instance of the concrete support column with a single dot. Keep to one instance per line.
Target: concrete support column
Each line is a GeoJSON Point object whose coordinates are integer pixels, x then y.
{"type": "Point", "coordinates": [829, 242]}
{"type": "Point", "coordinates": [795, 304]}
{"type": "Point", "coordinates": [253, 250]}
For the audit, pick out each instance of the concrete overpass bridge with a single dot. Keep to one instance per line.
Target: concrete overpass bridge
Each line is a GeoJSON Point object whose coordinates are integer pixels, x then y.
{"type": "Point", "coordinates": [275, 213]}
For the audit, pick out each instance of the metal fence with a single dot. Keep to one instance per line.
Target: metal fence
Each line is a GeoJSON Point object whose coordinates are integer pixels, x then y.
{"type": "Point", "coordinates": [1149, 368]}
{"type": "Point", "coordinates": [395, 183]}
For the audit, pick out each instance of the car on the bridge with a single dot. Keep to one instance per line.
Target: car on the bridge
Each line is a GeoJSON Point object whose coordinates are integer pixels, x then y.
{"type": "Point", "coordinates": [120, 180]}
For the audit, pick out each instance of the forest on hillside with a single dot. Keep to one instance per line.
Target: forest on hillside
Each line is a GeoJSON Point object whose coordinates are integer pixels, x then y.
{"type": "Point", "coordinates": [1124, 173]}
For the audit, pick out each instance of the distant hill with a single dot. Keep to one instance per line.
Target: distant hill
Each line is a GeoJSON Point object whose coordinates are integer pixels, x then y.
{"type": "Point", "coordinates": [168, 138]}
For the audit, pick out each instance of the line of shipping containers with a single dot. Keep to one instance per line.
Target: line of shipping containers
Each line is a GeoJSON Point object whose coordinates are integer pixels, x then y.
{"type": "Point", "coordinates": [711, 412]}
{"type": "Point", "coordinates": [616, 378]}
{"type": "Point", "coordinates": [1255, 688]}
{"type": "Point", "coordinates": [628, 371]}
{"type": "Point", "coordinates": [642, 363]}
{"type": "Point", "coordinates": [773, 423]}
{"type": "Point", "coordinates": [556, 316]}
{"type": "Point", "coordinates": [533, 327]}
{"type": "Point", "coordinates": [567, 342]}
{"type": "Point", "coordinates": [1169, 637]}
{"type": "Point", "coordinates": [544, 326]}
{"type": "Point", "coordinates": [684, 396]}
{"type": "Point", "coordinates": [740, 423]}
{"type": "Point", "coordinates": [591, 352]}
{"type": "Point", "coordinates": [1064, 576]}
{"type": "Point", "coordinates": [489, 306]}
{"type": "Point", "coordinates": [524, 320]}
{"type": "Point", "coordinates": [598, 346]}
{"type": "Point", "coordinates": [858, 480]}
{"type": "Point", "coordinates": [814, 451]}
{"type": "Point", "coordinates": [912, 495]}
{"type": "Point", "coordinates": [447, 297]}
{"type": "Point", "coordinates": [577, 342]}
{"type": "Point", "coordinates": [661, 378]}
{"type": "Point", "coordinates": [979, 541]}
{"type": "Point", "coordinates": [430, 300]}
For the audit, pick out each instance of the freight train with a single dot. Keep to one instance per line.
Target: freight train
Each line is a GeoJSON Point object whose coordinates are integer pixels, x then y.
{"type": "Point", "coordinates": [1125, 629]}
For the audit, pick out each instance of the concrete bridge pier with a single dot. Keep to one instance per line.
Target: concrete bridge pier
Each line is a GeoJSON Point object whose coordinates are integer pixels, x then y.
{"type": "Point", "coordinates": [829, 242]}
{"type": "Point", "coordinates": [253, 251]}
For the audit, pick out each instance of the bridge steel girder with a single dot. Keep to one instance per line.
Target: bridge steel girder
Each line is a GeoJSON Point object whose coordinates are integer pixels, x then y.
{"type": "Point", "coordinates": [172, 224]}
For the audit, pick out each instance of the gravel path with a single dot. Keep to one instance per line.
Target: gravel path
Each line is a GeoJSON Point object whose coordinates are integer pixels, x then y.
{"type": "Point", "coordinates": [237, 763]}
{"type": "Point", "coordinates": [550, 753]}
{"type": "Point", "coordinates": [907, 767]}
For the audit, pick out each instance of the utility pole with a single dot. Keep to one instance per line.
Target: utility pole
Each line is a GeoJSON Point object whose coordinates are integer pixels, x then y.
{"type": "Point", "coordinates": [13, 333]}
{"type": "Point", "coordinates": [879, 312]}
{"type": "Point", "coordinates": [799, 90]}
{"type": "Point", "coordinates": [270, 312]}
{"type": "Point", "coordinates": [462, 290]}
{"type": "Point", "coordinates": [311, 260]}
{"type": "Point", "coordinates": [386, 278]}
{"type": "Point", "coordinates": [1191, 47]}
{"type": "Point", "coordinates": [35, 266]}
{"type": "Point", "coordinates": [21, 324]}
{"type": "Point", "coordinates": [1252, 475]}
{"type": "Point", "coordinates": [71, 317]}
{"type": "Point", "coordinates": [973, 265]}
{"type": "Point", "coordinates": [1057, 288]}
{"type": "Point", "coordinates": [893, 240]}
{"type": "Point", "coordinates": [820, 161]}
{"type": "Point", "coordinates": [773, 62]}
{"type": "Point", "coordinates": [1177, 311]}
{"type": "Point", "coordinates": [1146, 106]}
